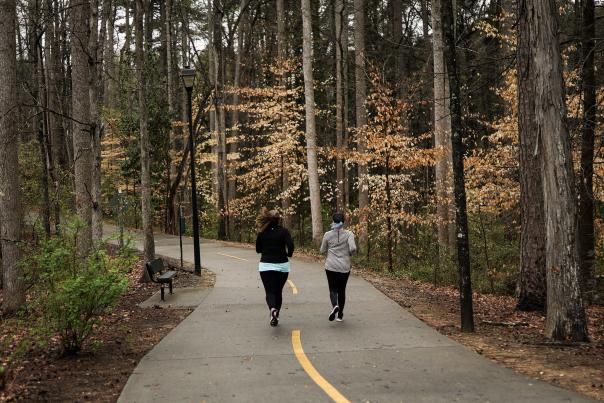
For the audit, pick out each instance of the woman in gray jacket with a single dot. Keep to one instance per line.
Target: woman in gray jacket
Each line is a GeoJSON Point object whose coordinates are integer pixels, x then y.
{"type": "Point", "coordinates": [339, 245]}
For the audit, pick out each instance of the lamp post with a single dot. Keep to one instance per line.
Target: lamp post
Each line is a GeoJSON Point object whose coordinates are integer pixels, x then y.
{"type": "Point", "coordinates": [188, 78]}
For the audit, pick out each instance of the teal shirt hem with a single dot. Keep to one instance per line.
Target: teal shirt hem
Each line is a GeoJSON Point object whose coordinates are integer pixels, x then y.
{"type": "Point", "coordinates": [282, 267]}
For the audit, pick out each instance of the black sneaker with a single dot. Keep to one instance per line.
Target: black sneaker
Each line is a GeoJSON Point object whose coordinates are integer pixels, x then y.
{"type": "Point", "coordinates": [274, 317]}
{"type": "Point", "coordinates": [340, 317]}
{"type": "Point", "coordinates": [333, 313]}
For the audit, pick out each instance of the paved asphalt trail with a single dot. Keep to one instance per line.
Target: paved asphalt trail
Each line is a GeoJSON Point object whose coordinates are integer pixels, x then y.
{"type": "Point", "coordinates": [225, 351]}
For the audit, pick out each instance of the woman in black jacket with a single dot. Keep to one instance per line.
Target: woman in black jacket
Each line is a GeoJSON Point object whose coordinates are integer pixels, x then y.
{"type": "Point", "coordinates": [275, 244]}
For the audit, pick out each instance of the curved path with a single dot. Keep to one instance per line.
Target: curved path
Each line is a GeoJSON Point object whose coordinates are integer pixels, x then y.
{"type": "Point", "coordinates": [225, 351]}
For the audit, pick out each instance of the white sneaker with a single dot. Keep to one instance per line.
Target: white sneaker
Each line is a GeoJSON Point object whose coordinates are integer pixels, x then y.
{"type": "Point", "coordinates": [333, 313]}
{"type": "Point", "coordinates": [274, 317]}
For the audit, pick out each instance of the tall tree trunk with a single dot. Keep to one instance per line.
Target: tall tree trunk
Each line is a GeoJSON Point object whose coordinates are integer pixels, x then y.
{"type": "Point", "coordinates": [445, 210]}
{"type": "Point", "coordinates": [282, 54]}
{"type": "Point", "coordinates": [184, 43]}
{"type": "Point", "coordinates": [346, 98]}
{"type": "Point", "coordinates": [311, 137]}
{"type": "Point", "coordinates": [389, 232]}
{"type": "Point", "coordinates": [50, 106]}
{"type": "Point", "coordinates": [425, 19]}
{"type": "Point", "coordinates": [148, 23]}
{"type": "Point", "coordinates": [126, 55]}
{"type": "Point", "coordinates": [110, 95]}
{"type": "Point", "coordinates": [171, 209]}
{"type": "Point", "coordinates": [361, 114]}
{"type": "Point", "coordinates": [459, 188]}
{"type": "Point", "coordinates": [341, 42]}
{"type": "Point", "coordinates": [213, 112]}
{"type": "Point", "coordinates": [127, 26]}
{"type": "Point", "coordinates": [531, 288]}
{"type": "Point", "coordinates": [38, 90]}
{"type": "Point", "coordinates": [55, 84]}
{"type": "Point", "coordinates": [10, 203]}
{"type": "Point", "coordinates": [220, 117]}
{"type": "Point", "coordinates": [586, 192]}
{"type": "Point", "coordinates": [234, 149]}
{"type": "Point", "coordinates": [396, 32]}
{"type": "Point", "coordinates": [95, 89]}
{"type": "Point", "coordinates": [146, 208]}
{"type": "Point", "coordinates": [42, 134]}
{"type": "Point", "coordinates": [82, 141]}
{"type": "Point", "coordinates": [565, 312]}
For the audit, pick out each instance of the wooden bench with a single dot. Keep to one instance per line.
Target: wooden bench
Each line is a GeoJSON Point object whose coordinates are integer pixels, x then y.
{"type": "Point", "coordinates": [155, 269]}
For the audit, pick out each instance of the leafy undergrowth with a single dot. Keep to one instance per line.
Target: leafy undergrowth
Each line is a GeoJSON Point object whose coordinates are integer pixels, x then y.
{"type": "Point", "coordinates": [99, 373]}
{"type": "Point", "coordinates": [512, 338]}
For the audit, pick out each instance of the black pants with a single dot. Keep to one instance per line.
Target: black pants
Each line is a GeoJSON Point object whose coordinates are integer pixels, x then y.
{"type": "Point", "coordinates": [273, 286]}
{"type": "Point", "coordinates": [337, 288]}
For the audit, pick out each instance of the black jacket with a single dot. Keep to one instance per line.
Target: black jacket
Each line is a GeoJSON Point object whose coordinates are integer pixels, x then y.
{"type": "Point", "coordinates": [275, 244]}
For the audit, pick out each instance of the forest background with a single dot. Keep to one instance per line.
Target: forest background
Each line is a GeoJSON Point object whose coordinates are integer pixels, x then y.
{"type": "Point", "coordinates": [451, 133]}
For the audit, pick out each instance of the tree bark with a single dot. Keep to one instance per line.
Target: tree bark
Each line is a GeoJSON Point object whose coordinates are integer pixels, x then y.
{"type": "Point", "coordinates": [213, 112]}
{"type": "Point", "coordinates": [361, 115]}
{"type": "Point", "coordinates": [220, 118]}
{"type": "Point", "coordinates": [184, 43]}
{"type": "Point", "coordinates": [389, 231]}
{"type": "Point", "coordinates": [341, 42]}
{"type": "Point", "coordinates": [282, 54]}
{"type": "Point", "coordinates": [55, 84]}
{"type": "Point", "coordinates": [311, 137]}
{"type": "Point", "coordinates": [445, 210]}
{"type": "Point", "coordinates": [146, 208]}
{"type": "Point", "coordinates": [459, 190]}
{"type": "Point", "coordinates": [126, 55]}
{"type": "Point", "coordinates": [81, 125]}
{"type": "Point", "coordinates": [396, 35]}
{"type": "Point", "coordinates": [565, 312]}
{"type": "Point", "coordinates": [234, 149]}
{"type": "Point", "coordinates": [531, 288]}
{"type": "Point", "coordinates": [110, 94]}
{"type": "Point", "coordinates": [42, 135]}
{"type": "Point", "coordinates": [346, 99]}
{"type": "Point", "coordinates": [49, 106]}
{"type": "Point", "coordinates": [586, 192]}
{"type": "Point", "coordinates": [10, 193]}
{"type": "Point", "coordinates": [171, 209]}
{"type": "Point", "coordinates": [425, 19]}
{"type": "Point", "coordinates": [95, 88]}
{"type": "Point", "coordinates": [38, 95]}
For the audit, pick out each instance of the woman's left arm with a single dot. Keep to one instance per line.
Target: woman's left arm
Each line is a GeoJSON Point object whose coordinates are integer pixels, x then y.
{"type": "Point", "coordinates": [352, 246]}
{"type": "Point", "coordinates": [290, 243]}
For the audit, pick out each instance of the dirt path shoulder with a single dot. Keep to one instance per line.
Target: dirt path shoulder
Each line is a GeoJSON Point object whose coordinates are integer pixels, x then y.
{"type": "Point", "coordinates": [511, 338]}
{"type": "Point", "coordinates": [99, 373]}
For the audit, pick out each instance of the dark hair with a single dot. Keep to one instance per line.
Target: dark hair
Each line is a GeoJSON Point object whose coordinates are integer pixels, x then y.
{"type": "Point", "coordinates": [338, 217]}
{"type": "Point", "coordinates": [266, 218]}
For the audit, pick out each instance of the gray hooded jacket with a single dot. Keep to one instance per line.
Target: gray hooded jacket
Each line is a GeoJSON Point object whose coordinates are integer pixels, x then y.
{"type": "Point", "coordinates": [340, 246]}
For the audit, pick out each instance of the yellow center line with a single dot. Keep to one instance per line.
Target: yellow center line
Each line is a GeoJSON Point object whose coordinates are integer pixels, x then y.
{"type": "Point", "coordinates": [231, 256]}
{"type": "Point", "coordinates": [293, 286]}
{"type": "Point", "coordinates": [312, 372]}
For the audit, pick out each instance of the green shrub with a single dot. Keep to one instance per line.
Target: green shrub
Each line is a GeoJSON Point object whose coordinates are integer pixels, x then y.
{"type": "Point", "coordinates": [73, 292]}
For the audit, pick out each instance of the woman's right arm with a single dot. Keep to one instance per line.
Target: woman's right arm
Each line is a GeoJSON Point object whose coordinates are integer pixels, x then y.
{"type": "Point", "coordinates": [290, 243]}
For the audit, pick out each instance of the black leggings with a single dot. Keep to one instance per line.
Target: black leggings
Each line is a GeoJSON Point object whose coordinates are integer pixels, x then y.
{"type": "Point", "coordinates": [337, 288]}
{"type": "Point", "coordinates": [273, 281]}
